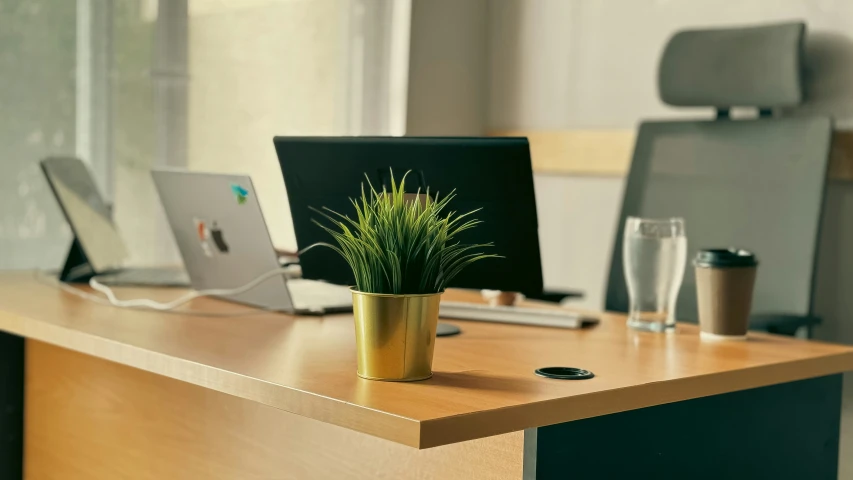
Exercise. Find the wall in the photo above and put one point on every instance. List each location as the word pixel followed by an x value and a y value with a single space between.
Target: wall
pixel 252 78
pixel 247 75
pixel 136 129
pixel 447 68
pixel 583 64
pixel 577 223
pixel 466 70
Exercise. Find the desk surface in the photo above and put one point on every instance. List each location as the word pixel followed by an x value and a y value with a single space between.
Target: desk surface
pixel 483 384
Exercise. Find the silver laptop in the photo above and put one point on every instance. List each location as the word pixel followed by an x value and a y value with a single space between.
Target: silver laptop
pixel 98 249
pixel 220 230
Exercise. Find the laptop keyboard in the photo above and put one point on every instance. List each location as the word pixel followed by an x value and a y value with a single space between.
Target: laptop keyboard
pixel 516 315
pixel 309 294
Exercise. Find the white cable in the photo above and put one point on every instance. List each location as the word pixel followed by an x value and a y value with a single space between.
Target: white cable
pixel 148 304
pixel 41 276
pixel 311 247
pixel 154 305
pixel 54 282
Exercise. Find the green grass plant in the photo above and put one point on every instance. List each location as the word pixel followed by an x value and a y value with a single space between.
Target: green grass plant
pixel 399 245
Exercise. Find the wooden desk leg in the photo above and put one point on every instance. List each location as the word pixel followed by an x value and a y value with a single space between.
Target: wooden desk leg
pixel 11 406
pixel 786 431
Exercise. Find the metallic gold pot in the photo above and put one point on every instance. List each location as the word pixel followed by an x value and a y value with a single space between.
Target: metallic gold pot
pixel 395 335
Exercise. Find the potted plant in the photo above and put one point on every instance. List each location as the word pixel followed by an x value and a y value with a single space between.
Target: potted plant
pixel 403 252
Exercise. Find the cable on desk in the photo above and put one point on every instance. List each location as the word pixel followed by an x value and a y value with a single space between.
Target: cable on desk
pixel 168 307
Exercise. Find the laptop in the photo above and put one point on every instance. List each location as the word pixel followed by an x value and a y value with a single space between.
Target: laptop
pixel 97 249
pixel 223 238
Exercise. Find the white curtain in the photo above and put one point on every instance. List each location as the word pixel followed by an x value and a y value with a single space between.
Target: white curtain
pixel 378 66
pixel 206 84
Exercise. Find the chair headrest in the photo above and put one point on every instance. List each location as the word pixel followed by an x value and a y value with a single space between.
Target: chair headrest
pixel 734 67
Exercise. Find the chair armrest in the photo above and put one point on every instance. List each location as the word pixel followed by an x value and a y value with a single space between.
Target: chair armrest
pixel 781 323
pixel 555 296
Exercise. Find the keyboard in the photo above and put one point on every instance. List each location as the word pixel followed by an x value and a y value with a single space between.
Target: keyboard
pixel 541 317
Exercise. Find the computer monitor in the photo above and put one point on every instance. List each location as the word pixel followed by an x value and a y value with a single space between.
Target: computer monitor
pixel 492 174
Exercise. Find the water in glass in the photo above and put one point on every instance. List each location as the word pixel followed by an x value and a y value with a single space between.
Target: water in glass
pixel 655 253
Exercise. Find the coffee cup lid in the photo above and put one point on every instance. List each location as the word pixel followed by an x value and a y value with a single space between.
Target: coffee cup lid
pixel 725 257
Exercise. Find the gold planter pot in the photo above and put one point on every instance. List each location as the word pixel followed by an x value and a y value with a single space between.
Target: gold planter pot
pixel 395 335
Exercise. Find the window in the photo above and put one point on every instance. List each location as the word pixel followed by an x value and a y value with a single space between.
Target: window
pixel 130 85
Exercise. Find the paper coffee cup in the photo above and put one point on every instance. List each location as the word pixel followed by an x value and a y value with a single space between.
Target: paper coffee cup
pixel 725 279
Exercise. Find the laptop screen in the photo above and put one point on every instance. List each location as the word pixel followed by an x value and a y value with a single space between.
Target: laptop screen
pixel 86 212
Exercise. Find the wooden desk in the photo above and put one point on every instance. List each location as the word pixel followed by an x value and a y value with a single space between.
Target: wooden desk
pixel 116 393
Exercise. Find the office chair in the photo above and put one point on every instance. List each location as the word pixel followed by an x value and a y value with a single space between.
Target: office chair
pixel 756 184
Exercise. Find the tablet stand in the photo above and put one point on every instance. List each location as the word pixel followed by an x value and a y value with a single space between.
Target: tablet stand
pixel 77 268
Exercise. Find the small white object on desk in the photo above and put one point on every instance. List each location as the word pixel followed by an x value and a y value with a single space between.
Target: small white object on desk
pixel 498 297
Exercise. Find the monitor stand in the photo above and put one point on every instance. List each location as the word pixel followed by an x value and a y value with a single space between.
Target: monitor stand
pixel 77 268
pixel 446 330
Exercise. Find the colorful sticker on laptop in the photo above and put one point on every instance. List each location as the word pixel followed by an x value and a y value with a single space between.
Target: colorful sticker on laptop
pixel 240 193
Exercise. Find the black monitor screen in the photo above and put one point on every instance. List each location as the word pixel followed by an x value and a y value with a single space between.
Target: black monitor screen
pixel 493 174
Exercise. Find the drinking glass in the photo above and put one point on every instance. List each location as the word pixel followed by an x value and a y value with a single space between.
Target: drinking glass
pixel 655 254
